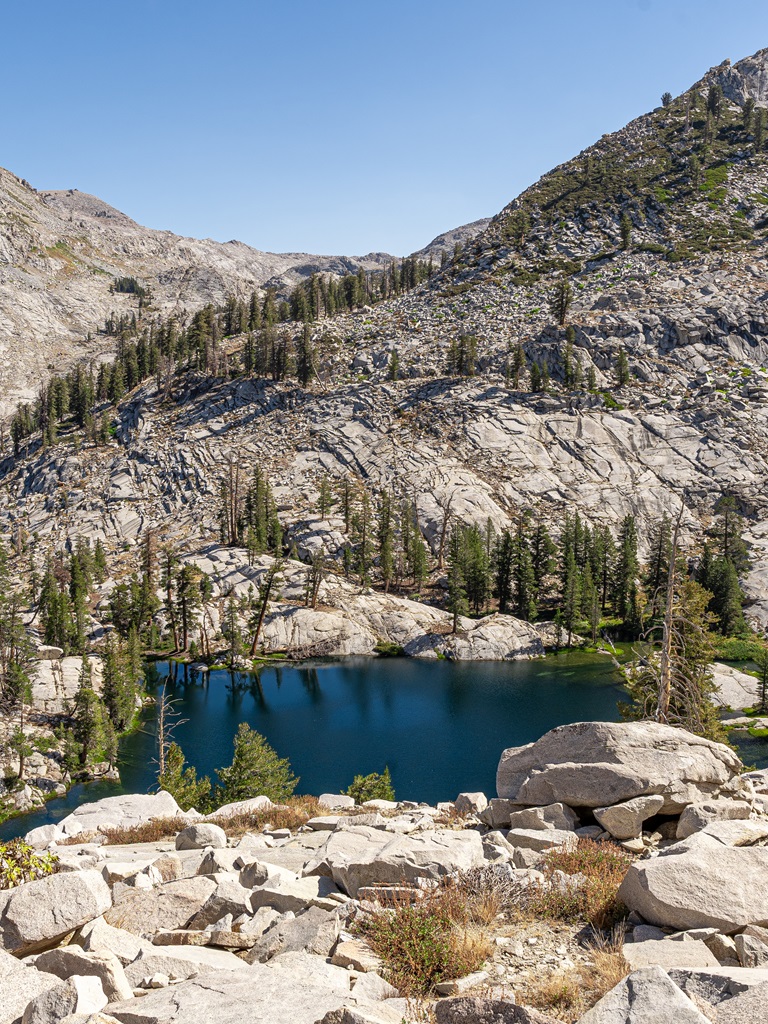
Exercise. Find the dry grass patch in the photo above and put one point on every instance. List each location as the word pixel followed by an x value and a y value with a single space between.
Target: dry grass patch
pixel 293 814
pixel 569 994
pixel 155 831
pixel 589 893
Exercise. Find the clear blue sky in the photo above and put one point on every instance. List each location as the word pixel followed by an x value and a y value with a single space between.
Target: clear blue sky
pixel 342 126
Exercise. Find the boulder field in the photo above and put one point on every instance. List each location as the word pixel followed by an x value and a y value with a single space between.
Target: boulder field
pixel 208 928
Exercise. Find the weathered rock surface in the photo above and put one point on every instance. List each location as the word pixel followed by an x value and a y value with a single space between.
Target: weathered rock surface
pixel 485 1010
pixel 120 812
pixel 667 953
pixel 596 764
pixel 36 915
pixel 170 905
pixel 201 835
pixel 75 995
pixel 280 997
pixel 709 885
pixel 625 821
pixel 362 856
pixel 313 931
pixel 697 816
pixel 19 984
pixel 647 996
pixel 69 960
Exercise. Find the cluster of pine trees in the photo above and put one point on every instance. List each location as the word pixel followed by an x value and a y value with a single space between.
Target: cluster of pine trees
pixel 60 599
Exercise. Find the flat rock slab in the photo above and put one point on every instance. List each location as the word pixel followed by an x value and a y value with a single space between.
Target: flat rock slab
pixel 181 962
pixel 123 811
pixel 221 939
pixel 252 996
pixel 669 953
pixel 362 857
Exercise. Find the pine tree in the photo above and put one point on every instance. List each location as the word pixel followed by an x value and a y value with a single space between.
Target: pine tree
pixel 182 783
pixel 256 770
pixel 118 688
pixel 91 728
pixel 505 563
pixel 626 230
pixel 571 595
pixel 526 606
pixel 457 591
pixel 666 99
pixel 394 366
pixel 715 101
pixel 325 499
pixel 747 113
pixel 305 357
pixel 660 543
pixel 518 364
pixel 560 300
pixel 188 600
pixel 623 375
pixel 386 541
pixel 761 660
pixel 627 568
pixel 673 684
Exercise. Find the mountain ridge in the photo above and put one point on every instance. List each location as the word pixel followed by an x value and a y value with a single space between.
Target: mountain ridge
pixel 60 250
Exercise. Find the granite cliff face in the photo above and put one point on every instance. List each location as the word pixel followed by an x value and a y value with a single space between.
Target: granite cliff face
pixel 664 245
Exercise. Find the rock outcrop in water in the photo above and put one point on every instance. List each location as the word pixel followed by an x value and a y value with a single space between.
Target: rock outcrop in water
pixel 262 926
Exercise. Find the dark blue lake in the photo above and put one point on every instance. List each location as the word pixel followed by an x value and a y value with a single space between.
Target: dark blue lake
pixel 440 726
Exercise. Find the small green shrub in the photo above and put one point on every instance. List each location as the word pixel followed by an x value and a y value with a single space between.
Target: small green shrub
pixel 19 862
pixel 422 945
pixel 372 787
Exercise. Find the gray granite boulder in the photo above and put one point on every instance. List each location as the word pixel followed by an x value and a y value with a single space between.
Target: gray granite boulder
pixel 34 916
pixel 598 764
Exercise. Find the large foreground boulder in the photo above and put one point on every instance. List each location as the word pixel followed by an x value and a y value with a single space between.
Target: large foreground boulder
pixel 701 884
pixel 364 856
pixel 597 764
pixel 171 905
pixel 36 915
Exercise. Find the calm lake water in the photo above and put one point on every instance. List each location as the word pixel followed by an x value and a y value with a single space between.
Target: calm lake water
pixel 440 726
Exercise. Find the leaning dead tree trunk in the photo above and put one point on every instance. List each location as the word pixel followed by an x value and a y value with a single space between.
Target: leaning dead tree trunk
pixel 665 661
pixel 271 579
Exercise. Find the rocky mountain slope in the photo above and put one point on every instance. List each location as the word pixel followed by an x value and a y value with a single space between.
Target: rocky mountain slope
pixel 661 231
pixel 61 250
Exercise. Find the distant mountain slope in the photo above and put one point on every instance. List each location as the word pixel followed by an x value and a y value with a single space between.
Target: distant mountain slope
pixel 61 250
